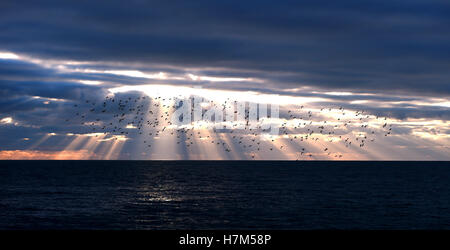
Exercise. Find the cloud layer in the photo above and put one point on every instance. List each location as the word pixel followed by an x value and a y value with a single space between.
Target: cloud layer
pixel 389 58
pixel 384 46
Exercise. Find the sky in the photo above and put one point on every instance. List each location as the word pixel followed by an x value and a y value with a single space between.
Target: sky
pixel 356 66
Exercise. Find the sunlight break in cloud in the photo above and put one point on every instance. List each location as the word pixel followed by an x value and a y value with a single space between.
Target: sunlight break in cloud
pixel 6 120
pixel 8 55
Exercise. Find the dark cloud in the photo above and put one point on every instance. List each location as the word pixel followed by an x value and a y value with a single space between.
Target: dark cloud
pixel 401 45
pixel 398 49
pixel 18 79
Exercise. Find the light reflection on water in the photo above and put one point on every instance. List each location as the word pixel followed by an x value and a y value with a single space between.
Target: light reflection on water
pixel 224 195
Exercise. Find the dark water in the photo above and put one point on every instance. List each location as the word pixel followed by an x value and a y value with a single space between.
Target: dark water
pixel 224 195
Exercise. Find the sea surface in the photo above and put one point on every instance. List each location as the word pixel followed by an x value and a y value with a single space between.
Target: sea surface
pixel 224 195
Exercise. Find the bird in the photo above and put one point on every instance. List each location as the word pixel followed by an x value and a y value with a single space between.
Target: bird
pixel 150 117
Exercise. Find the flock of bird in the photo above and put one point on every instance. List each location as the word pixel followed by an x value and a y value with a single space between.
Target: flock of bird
pixel 151 118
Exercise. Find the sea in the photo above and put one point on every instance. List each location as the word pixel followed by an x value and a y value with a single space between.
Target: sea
pixel 230 195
